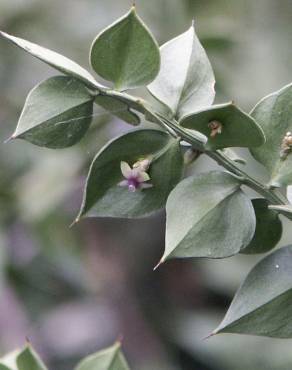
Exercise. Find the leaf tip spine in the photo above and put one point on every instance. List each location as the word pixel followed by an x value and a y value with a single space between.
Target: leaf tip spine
pixel 210 335
pixel 119 340
pixel 27 341
pixel 77 219
pixel 159 263
pixel 12 137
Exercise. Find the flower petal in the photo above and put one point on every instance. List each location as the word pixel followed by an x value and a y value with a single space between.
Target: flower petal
pixel 123 183
pixel 126 169
pixel 143 176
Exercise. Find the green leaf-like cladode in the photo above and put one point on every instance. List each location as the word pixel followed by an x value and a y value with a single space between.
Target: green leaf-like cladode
pixel 186 81
pixel 126 53
pixel 56 114
pixel 208 216
pixel 118 108
pixel 268 228
pixel 262 305
pixel 108 359
pixel 103 197
pixel 274 114
pixel 225 125
pixel 55 60
pixel 28 359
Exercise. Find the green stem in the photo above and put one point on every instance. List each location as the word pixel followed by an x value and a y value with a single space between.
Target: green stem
pixel 195 141
pixel 227 163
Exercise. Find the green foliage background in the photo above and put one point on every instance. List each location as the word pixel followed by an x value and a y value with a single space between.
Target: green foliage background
pixel 73 291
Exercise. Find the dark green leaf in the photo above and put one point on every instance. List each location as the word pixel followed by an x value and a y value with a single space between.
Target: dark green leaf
pixel 54 59
pixel 268 228
pixel 262 305
pixel 103 197
pixel 118 108
pixel 29 360
pixel 108 359
pixel 208 216
pixel 236 127
pixel 186 81
pixel 4 367
pixel 126 53
pixel 57 113
pixel 274 114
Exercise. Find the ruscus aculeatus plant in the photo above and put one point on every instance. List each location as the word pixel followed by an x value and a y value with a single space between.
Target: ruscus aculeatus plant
pixel 208 214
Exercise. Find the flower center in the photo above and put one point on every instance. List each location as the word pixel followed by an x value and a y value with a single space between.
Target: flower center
pixel 133 184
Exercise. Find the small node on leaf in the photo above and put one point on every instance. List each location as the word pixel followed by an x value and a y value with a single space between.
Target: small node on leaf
pixel 286 145
pixel 216 128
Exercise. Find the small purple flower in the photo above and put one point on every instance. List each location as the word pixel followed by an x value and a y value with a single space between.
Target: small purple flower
pixel 136 177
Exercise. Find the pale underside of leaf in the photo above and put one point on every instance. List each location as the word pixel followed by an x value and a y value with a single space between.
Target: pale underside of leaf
pixel 8 362
pixel 55 60
pixel 185 82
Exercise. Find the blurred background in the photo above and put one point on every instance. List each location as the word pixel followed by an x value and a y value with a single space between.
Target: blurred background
pixel 74 291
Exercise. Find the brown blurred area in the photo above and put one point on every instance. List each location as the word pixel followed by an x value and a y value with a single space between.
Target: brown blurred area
pixel 72 291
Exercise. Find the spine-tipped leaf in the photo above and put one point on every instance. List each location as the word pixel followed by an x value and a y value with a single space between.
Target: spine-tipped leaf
pixel 262 305
pixel 208 216
pixel 56 114
pixel 126 53
pixel 225 125
pixel 55 60
pixel 274 115
pixel 28 359
pixel 111 358
pixel 186 81
pixel 103 194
